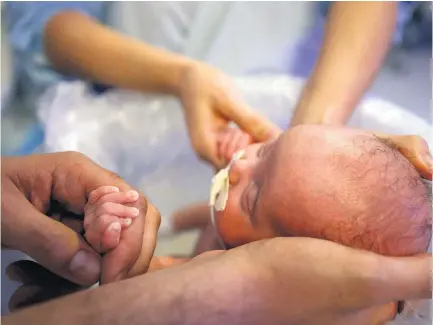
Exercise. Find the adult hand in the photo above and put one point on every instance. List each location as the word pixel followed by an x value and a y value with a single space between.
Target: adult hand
pixel 59 184
pixel 415 149
pixel 278 281
pixel 309 281
pixel 210 103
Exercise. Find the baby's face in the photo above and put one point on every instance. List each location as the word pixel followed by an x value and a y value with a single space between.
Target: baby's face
pixel 242 220
pixel 257 187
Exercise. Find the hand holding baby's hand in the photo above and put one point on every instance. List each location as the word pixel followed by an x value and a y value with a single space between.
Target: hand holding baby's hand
pixel 231 140
pixel 106 214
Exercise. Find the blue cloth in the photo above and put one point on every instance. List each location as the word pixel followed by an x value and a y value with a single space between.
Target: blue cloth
pixel 25 23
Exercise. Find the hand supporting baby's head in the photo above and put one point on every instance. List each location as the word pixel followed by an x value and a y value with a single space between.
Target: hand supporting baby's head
pixel 335 183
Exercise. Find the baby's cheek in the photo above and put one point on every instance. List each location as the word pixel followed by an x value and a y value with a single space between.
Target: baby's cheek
pixel 232 226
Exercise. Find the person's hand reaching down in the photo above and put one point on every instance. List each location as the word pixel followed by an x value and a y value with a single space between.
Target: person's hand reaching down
pixel 210 103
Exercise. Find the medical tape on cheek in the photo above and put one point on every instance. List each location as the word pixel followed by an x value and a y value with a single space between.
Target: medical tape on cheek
pixel 219 192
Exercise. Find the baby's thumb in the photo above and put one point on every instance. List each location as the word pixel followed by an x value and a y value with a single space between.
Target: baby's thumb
pixel 56 247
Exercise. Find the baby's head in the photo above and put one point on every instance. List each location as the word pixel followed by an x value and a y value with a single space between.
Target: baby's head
pixel 335 183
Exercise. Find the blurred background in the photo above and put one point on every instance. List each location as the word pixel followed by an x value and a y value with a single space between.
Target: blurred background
pixel 285 42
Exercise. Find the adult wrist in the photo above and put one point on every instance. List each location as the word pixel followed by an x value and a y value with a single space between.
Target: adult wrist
pixel 320 114
pixel 180 68
pixel 156 70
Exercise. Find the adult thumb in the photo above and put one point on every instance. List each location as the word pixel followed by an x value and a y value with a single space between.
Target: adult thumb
pixel 415 149
pixel 52 244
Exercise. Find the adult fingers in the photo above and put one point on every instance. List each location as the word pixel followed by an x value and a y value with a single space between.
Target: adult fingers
pixel 352 279
pixel 253 123
pixel 49 242
pixel 407 278
pixel 415 149
pixel 117 264
pixel 378 315
pixel 149 232
pixel 150 237
pixel 76 177
pixel 39 284
pixel 203 128
pixel 30 272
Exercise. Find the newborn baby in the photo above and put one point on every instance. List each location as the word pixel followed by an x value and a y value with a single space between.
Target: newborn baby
pixel 349 187
pixel 333 183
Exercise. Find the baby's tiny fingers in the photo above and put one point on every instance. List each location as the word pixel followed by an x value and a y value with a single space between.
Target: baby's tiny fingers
pixel 111 236
pixel 120 197
pixel 104 233
pixel 126 222
pixel 118 210
pixel 244 141
pixel 95 195
pixel 233 145
pixel 228 137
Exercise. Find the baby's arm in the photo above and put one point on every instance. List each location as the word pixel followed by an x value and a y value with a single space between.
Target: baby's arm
pixel 106 214
pixel 231 140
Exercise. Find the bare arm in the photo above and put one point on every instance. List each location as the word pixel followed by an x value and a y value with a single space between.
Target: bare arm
pixel 78 45
pixel 268 282
pixel 357 37
pixel 179 295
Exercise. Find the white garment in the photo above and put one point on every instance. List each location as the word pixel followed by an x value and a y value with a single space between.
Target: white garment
pixel 235 36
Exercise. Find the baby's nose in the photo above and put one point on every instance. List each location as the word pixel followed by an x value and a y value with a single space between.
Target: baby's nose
pixel 237 171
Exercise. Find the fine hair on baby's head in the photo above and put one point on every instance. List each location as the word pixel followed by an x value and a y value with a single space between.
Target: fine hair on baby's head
pixel 328 182
pixel 353 188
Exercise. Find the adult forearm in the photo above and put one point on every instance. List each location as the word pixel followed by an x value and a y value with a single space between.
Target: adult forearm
pixel 357 37
pixel 78 45
pixel 136 301
pixel 179 295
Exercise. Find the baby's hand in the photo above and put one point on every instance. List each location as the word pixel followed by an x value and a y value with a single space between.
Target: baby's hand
pixel 106 214
pixel 231 140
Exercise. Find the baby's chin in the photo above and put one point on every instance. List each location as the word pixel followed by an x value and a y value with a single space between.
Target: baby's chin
pixel 233 229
